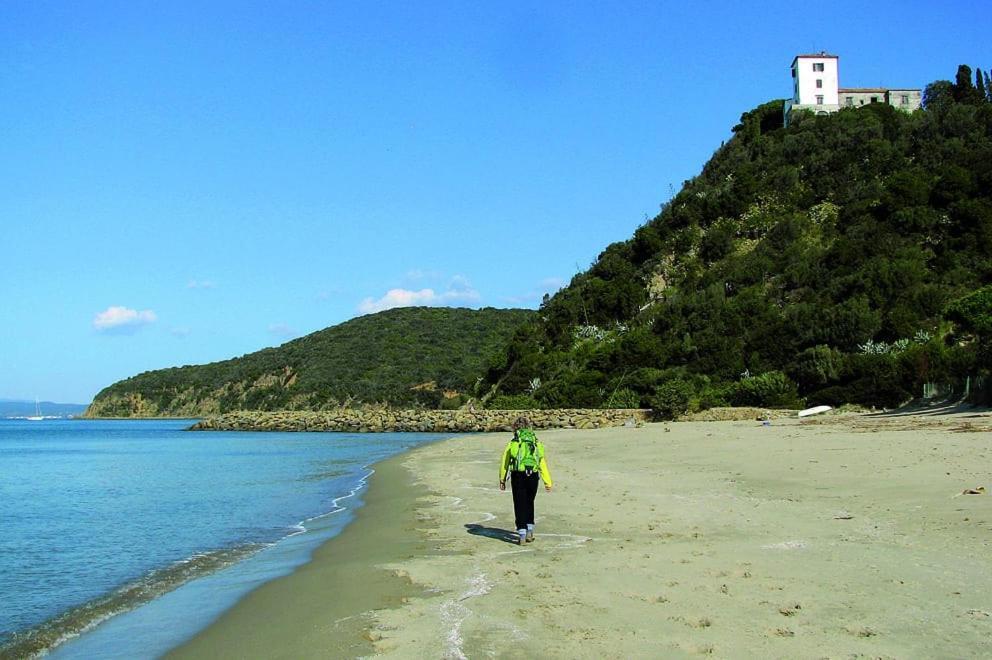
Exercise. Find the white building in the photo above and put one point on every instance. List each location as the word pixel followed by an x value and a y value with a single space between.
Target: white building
pixel 816 87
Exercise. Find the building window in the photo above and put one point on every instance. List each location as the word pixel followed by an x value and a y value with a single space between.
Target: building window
pixel 874 99
pixel 848 100
pixel 819 83
pixel 818 66
pixel 819 100
pixel 905 99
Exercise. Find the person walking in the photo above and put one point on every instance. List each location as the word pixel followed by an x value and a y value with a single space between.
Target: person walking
pixel 526 463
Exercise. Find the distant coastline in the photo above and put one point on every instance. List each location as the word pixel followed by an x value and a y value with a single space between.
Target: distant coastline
pixel 22 409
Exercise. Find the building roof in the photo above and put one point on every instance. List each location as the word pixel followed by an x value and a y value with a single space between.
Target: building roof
pixel 821 55
pixel 863 89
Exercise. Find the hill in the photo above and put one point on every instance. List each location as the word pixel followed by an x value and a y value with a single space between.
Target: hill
pixel 816 263
pixel 408 356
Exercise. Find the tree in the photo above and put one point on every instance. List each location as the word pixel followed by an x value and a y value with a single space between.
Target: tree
pixel 938 96
pixel 962 82
pixel 980 85
pixel 964 90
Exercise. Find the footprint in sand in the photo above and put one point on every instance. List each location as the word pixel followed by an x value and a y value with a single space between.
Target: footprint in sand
pixel 702 622
pixel 696 649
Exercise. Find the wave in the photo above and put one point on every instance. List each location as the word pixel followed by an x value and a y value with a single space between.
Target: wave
pixel 35 641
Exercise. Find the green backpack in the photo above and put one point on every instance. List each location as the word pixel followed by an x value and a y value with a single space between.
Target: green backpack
pixel 529 455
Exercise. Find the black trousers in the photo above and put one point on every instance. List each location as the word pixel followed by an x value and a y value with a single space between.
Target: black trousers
pixel 524 491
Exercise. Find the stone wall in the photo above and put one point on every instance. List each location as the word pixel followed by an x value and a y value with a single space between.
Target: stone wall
pixel 431 421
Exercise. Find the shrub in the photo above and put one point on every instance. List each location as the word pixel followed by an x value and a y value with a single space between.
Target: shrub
pixel 453 403
pixel 429 399
pixel 713 395
pixel 644 380
pixel 973 313
pixel 513 402
pixel 772 389
pixel 817 366
pixel 671 399
pixel 876 381
pixel 623 398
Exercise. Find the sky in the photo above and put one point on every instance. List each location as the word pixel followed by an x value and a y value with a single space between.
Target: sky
pixel 186 182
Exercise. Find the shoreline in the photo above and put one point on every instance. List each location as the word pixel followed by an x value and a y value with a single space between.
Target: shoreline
pixel 348 562
pixel 828 537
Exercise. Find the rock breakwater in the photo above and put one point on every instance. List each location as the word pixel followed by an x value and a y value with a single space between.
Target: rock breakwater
pixel 425 421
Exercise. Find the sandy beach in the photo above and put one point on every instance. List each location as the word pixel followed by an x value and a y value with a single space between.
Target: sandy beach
pixel 839 536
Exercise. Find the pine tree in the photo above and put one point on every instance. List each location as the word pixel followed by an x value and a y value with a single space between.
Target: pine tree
pixel 962 83
pixel 980 85
pixel 964 89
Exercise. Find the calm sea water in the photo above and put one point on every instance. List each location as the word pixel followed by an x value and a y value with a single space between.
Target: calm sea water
pixel 137 533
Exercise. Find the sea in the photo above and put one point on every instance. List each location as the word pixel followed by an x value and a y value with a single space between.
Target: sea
pixel 123 539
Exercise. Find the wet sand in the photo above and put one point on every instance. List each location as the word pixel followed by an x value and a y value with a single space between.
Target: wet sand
pixel 830 537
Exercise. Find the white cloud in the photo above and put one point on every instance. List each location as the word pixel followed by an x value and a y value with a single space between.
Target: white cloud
pixel 398 298
pixel 201 284
pixel 120 319
pixel 459 291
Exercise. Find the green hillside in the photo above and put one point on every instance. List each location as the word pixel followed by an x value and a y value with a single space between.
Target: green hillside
pixel 377 358
pixel 817 263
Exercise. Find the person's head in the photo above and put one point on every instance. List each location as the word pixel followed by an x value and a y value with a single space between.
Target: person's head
pixel 520 423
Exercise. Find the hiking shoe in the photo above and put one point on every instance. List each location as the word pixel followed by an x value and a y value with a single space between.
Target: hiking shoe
pixel 520 539
pixel 530 536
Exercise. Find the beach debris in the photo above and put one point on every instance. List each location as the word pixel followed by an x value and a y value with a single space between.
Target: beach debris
pixel 843 515
pixel 977 490
pixel 785 545
pixel 790 610
pixel 815 410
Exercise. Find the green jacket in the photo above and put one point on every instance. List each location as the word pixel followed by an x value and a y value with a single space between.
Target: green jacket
pixel 511 451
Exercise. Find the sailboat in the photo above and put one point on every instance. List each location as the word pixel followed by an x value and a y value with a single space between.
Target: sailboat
pixel 36 417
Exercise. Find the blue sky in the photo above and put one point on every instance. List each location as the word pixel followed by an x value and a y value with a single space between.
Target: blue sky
pixel 185 182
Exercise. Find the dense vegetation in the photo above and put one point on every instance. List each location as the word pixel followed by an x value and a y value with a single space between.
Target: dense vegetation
pixel 840 259
pixel 415 356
